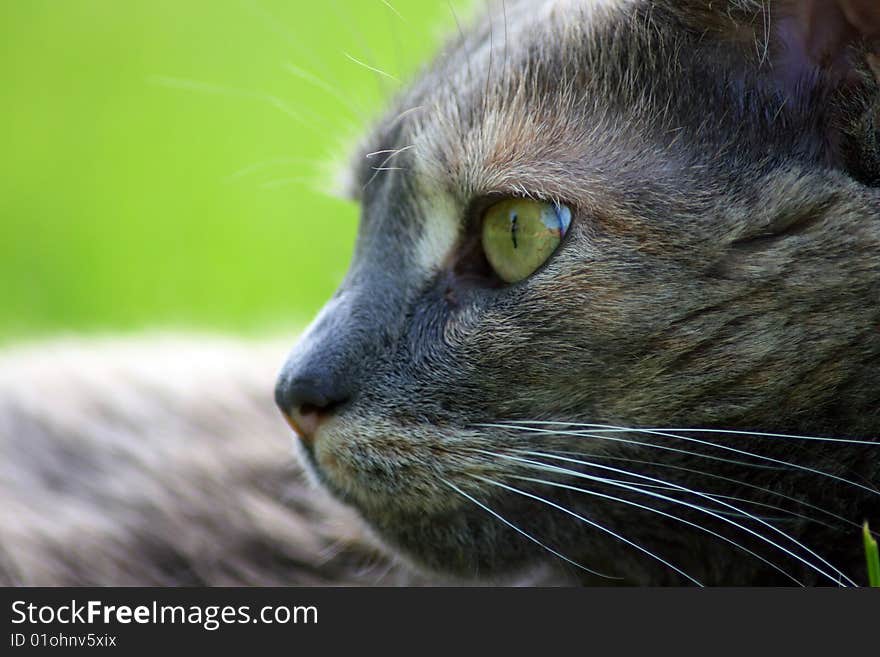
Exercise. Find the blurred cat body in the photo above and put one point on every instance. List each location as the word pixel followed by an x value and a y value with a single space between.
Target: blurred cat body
pixel 161 461
pixel 722 275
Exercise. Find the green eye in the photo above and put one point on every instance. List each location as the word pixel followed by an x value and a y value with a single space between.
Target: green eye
pixel 520 234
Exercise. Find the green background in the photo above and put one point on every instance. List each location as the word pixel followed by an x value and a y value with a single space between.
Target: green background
pixel 164 161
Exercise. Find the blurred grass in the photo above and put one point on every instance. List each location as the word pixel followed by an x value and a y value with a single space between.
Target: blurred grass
pixel 872 554
pixel 161 163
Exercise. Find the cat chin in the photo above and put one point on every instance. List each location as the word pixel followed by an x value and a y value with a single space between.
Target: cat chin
pixel 465 545
pixel 456 543
pixel 434 513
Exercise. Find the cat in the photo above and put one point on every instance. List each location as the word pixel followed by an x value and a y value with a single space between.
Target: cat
pixel 612 318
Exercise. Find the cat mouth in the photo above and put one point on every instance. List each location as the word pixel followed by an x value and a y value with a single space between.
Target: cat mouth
pixel 422 503
pixel 389 472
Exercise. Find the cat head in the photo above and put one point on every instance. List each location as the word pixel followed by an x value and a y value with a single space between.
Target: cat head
pixel 698 246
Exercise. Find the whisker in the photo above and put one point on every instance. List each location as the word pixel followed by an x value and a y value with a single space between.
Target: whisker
pixel 504 59
pixel 789 512
pixel 285 182
pixel 604 427
pixel 233 92
pixel 491 51
pixel 404 114
pixel 392 154
pixel 698 454
pixel 628 441
pixel 468 68
pixel 682 502
pixel 295 41
pixel 371 68
pixel 731 480
pixel 851 441
pixel 317 82
pixel 455 18
pixel 710 497
pixel 394 11
pixel 727 448
pixel 259 166
pixel 592 524
pixel 361 39
pixel 665 514
pixel 797 466
pixel 276 26
pixel 524 533
pixel 732 514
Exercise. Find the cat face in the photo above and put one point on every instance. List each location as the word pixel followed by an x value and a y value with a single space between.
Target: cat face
pixel 716 274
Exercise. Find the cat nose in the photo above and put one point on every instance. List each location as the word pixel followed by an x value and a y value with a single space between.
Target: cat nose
pixel 324 371
pixel 307 400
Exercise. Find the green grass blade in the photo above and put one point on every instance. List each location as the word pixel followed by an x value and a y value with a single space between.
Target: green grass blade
pixel 873 558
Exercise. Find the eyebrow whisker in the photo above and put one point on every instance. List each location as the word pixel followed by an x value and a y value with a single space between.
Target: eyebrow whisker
pixel 392 154
pixel 371 68
pixel 394 11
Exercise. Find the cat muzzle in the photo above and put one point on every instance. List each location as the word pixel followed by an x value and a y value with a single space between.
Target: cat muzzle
pixel 305 403
pixel 305 425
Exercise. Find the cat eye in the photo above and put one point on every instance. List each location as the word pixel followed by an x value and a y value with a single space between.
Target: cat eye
pixel 519 235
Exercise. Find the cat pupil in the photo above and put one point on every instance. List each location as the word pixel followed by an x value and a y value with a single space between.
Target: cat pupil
pixel 513 228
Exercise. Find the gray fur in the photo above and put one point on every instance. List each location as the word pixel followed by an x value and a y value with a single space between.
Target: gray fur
pixel 722 272
pixel 161 461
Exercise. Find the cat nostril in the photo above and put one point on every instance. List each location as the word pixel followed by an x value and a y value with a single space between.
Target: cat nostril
pixel 306 403
pixel 305 423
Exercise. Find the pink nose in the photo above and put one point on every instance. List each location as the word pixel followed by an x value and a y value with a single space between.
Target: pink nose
pixel 307 400
pixel 305 422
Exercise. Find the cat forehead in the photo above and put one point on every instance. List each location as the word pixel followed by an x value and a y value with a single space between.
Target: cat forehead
pixel 500 100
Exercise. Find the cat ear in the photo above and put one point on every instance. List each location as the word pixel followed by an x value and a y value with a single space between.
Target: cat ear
pixel 833 46
pixel 812 51
pixel 836 37
pixel 799 40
